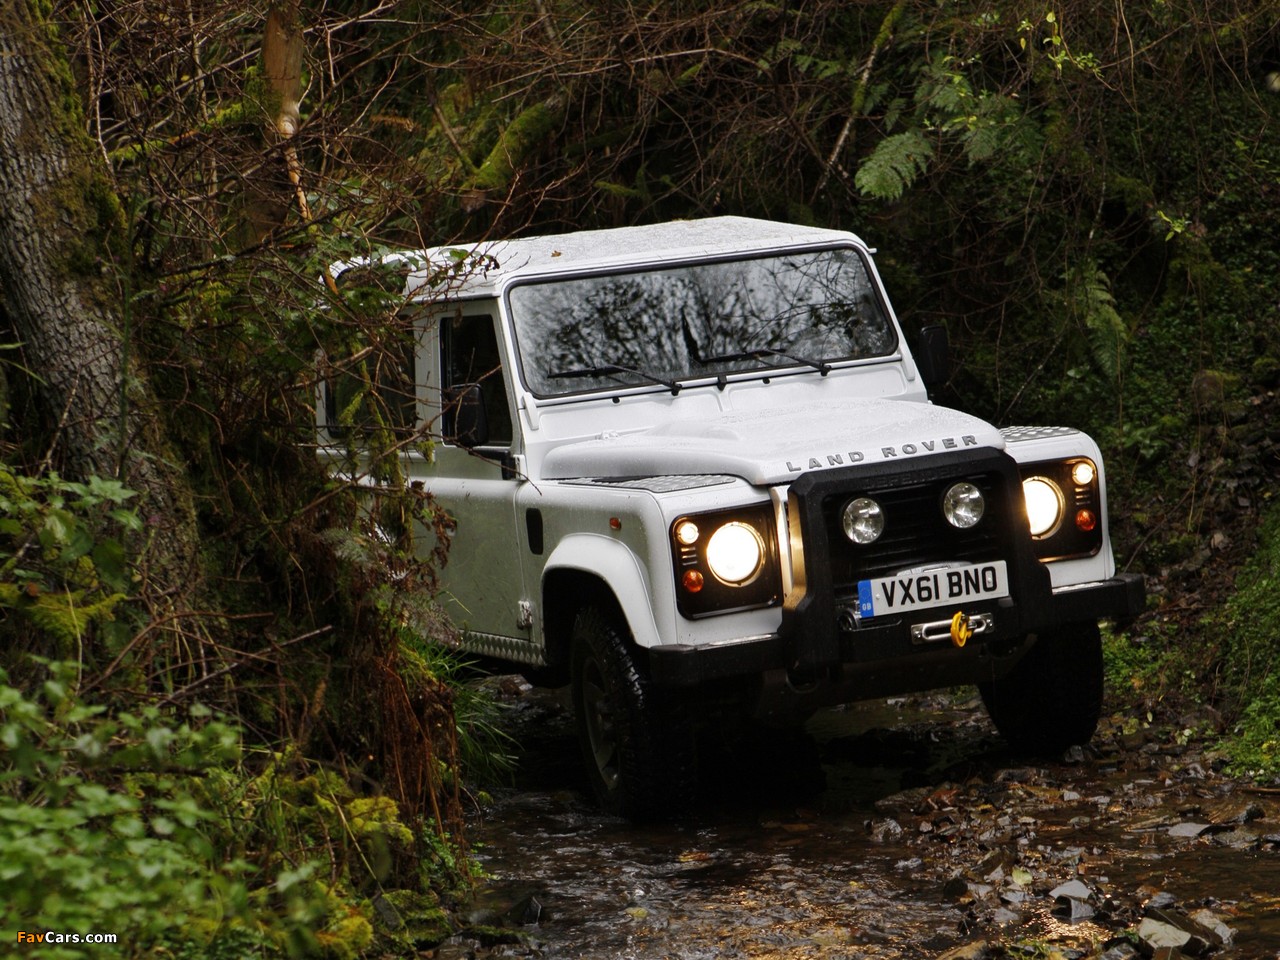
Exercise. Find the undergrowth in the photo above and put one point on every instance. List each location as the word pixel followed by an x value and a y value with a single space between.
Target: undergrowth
pixel 1249 626
pixel 170 833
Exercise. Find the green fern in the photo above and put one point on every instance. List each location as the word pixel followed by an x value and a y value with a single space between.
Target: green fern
pixel 894 165
pixel 1090 299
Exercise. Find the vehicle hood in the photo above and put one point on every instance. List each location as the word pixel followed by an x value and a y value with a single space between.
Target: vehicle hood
pixel 769 447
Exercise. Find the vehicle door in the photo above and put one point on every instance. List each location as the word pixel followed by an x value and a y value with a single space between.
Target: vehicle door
pixel 473 478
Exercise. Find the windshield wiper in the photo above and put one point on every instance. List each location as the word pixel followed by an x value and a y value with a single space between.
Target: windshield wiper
pixel 820 365
pixel 608 368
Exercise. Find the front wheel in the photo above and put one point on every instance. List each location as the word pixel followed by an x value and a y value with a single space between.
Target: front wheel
pixel 1053 697
pixel 637 741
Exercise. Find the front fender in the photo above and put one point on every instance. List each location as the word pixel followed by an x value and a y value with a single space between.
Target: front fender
pixel 615 565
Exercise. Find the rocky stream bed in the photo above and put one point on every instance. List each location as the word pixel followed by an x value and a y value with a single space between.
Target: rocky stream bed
pixel 896 829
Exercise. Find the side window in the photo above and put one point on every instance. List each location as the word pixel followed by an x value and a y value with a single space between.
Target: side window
pixel 375 392
pixel 469 354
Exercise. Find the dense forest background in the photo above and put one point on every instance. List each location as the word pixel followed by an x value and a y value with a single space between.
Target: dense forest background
pixel 224 728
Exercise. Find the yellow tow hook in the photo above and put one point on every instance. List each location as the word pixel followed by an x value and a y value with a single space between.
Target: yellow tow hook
pixel 960 629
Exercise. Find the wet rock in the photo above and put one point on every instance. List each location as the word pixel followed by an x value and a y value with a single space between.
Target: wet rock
pixel 883 831
pixel 1124 950
pixel 1157 935
pixel 1190 924
pixel 526 912
pixel 387 914
pixel 1211 921
pixel 1156 899
pixel 1195 938
pixel 994 866
pixel 904 801
pixel 1071 890
pixel 981 891
pixel 1234 811
pixel 1237 839
pixel 1072 910
pixel 1188 829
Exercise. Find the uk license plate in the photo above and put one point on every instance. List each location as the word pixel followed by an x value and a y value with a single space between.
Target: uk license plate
pixel 944 586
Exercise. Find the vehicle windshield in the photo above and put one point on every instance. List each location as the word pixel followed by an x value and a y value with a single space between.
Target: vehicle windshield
pixel 662 326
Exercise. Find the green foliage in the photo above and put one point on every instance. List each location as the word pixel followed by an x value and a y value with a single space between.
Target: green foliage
pixel 894 165
pixel 1249 628
pixel 1144 669
pixel 101 830
pixel 1089 300
pixel 63 564
pixel 526 131
pixel 154 828
pixel 486 753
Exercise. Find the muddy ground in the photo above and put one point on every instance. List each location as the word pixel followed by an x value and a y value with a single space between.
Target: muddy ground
pixel 896 829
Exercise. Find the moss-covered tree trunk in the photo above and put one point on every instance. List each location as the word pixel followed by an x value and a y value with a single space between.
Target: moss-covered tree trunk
pixel 64 291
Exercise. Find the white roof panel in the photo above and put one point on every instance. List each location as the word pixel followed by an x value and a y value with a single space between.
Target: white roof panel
pixel 485 269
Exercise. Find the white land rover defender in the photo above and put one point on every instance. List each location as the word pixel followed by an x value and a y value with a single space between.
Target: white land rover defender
pixel 695 465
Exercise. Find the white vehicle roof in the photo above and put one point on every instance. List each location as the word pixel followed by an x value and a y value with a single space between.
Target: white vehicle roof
pixel 485 269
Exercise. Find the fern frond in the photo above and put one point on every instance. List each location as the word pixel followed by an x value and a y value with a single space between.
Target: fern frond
pixel 1093 303
pixel 894 165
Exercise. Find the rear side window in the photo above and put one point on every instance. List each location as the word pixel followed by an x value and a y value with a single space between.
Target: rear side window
pixel 374 391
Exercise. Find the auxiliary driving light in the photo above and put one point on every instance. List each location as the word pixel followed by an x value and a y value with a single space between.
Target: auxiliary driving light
pixel 863 520
pixel 1044 505
pixel 963 505
pixel 735 553
pixel 1082 472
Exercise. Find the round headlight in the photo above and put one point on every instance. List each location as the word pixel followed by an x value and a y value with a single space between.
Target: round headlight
pixel 962 505
pixel 1044 505
pixel 735 553
pixel 863 520
pixel 1082 472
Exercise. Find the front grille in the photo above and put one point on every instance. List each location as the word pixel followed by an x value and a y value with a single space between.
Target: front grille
pixel 915 531
pixel 916 534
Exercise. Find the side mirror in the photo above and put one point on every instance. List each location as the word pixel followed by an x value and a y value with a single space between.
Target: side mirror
pixel 933 355
pixel 466 422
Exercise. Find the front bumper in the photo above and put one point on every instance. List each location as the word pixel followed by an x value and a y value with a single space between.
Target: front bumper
pixel 884 659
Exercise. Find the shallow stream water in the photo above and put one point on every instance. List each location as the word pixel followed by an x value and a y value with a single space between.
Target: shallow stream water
pixel 895 829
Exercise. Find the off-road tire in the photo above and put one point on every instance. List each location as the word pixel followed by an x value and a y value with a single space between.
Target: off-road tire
pixel 1053 697
pixel 637 740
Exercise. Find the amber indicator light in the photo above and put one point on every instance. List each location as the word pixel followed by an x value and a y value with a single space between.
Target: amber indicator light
pixel 1086 520
pixel 692 581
